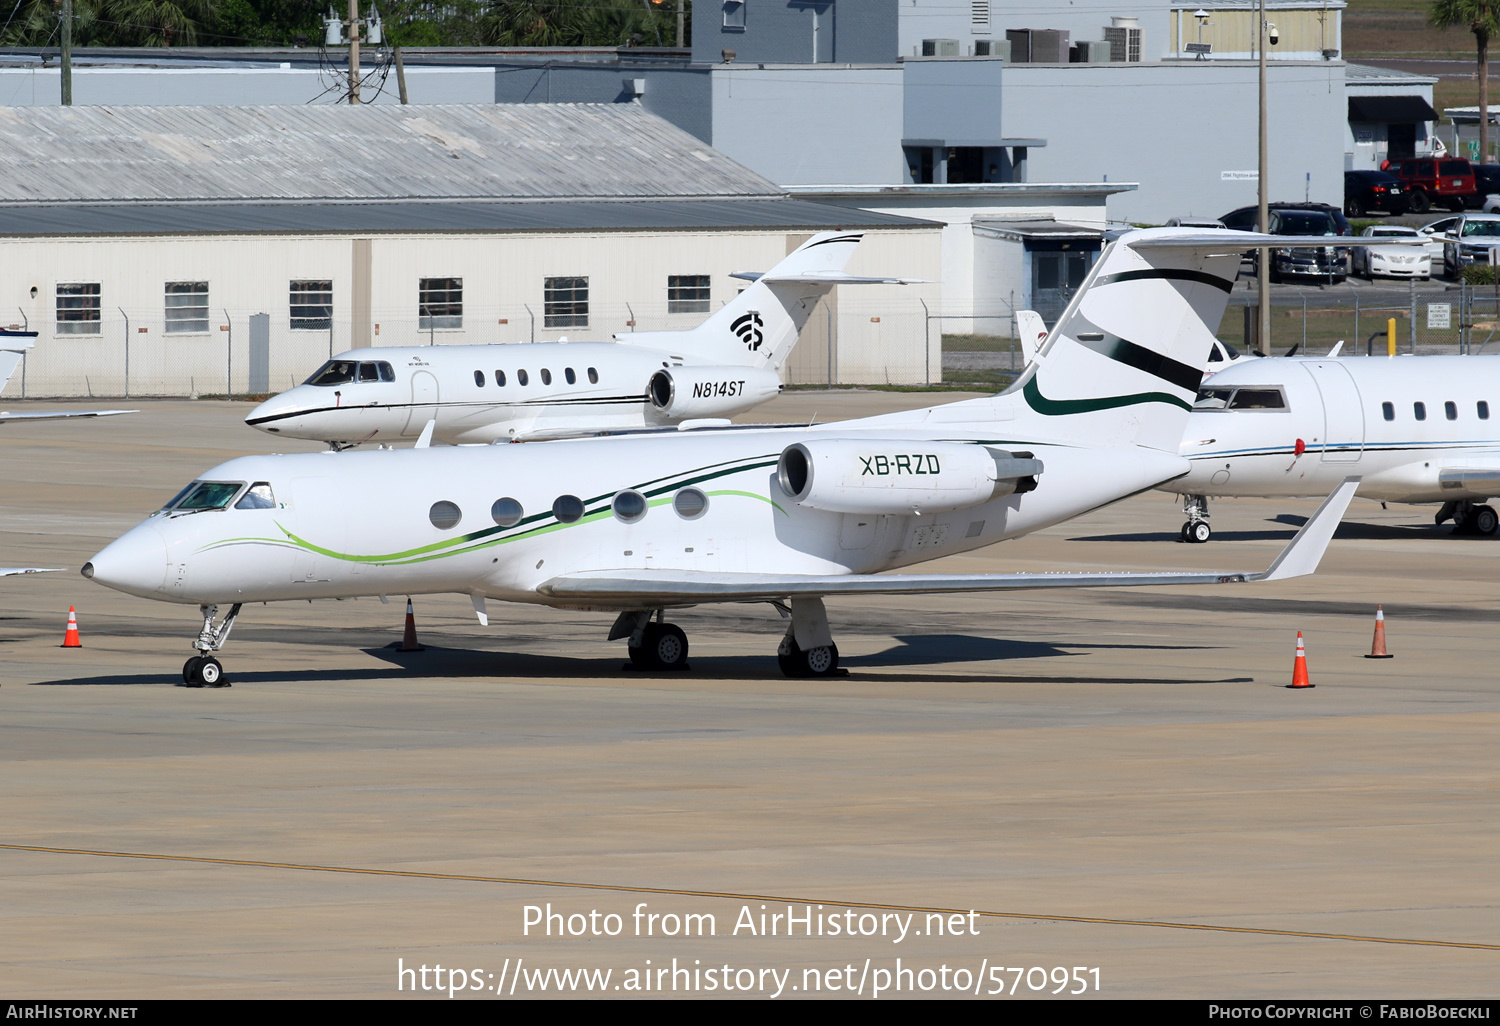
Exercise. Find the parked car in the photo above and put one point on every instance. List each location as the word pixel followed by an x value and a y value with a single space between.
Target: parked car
pixel 1486 186
pixel 1391 261
pixel 1328 262
pixel 1436 234
pixel 1194 222
pixel 1448 182
pixel 1469 241
pixel 1373 190
pixel 1244 219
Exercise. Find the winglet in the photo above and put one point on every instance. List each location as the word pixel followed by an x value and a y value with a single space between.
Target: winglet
pixel 1303 553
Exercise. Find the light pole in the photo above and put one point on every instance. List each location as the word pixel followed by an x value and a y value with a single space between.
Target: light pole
pixel 1263 340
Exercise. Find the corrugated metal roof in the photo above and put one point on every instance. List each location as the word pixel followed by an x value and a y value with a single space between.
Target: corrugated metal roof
pixel 527 151
pixel 430 217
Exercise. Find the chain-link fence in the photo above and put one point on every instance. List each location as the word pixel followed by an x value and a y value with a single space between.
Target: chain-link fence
pixel 861 339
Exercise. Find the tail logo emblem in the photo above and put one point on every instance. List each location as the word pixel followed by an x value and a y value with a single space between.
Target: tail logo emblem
pixel 748 329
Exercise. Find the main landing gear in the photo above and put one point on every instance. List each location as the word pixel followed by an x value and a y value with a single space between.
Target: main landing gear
pixel 203 670
pixel 806 651
pixel 1196 531
pixel 1468 518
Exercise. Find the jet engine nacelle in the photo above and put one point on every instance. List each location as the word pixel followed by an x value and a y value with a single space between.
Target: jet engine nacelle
pixel 896 475
pixel 683 393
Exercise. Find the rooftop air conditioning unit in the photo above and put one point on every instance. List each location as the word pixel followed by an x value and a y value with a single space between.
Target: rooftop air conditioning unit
pixel 1124 39
pixel 940 48
pixel 1089 51
pixel 1019 41
pixel 1049 46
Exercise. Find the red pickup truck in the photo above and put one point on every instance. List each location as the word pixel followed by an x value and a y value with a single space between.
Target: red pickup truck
pixel 1429 181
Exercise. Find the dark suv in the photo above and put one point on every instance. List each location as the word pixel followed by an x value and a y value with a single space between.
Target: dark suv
pixel 1430 181
pixel 1244 219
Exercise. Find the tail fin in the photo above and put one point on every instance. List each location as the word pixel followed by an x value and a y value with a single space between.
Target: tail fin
pixel 13 346
pixel 759 326
pixel 1124 362
pixel 1032 331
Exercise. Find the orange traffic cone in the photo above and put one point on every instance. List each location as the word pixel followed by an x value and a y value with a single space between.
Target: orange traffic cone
pixel 70 639
pixel 1299 668
pixel 1377 647
pixel 409 639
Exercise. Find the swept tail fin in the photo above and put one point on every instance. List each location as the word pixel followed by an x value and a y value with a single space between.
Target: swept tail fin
pixel 759 326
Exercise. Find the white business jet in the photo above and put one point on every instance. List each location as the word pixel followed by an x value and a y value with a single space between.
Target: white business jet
pixel 639 523
pixel 1419 429
pixel 726 365
pixel 13 347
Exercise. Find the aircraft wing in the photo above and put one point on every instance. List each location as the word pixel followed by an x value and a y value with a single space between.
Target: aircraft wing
pixel 60 414
pixel 11 571
pixel 1237 240
pixel 826 278
pixel 638 588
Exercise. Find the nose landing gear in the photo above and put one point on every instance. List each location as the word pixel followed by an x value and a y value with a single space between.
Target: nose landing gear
pixel 1196 531
pixel 203 670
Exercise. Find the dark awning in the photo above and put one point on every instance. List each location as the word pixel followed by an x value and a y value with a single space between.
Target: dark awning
pixel 1390 109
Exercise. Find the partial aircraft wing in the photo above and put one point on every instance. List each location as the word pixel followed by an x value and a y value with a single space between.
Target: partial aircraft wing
pixel 644 588
pixel 11 571
pixel 60 414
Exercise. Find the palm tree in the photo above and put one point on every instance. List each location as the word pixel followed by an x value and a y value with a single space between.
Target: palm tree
pixel 1481 17
pixel 157 22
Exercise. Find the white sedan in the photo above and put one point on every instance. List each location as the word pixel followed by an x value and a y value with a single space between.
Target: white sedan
pixel 1392 261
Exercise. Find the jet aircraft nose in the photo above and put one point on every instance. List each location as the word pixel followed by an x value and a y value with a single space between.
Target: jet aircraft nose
pixel 279 412
pixel 135 563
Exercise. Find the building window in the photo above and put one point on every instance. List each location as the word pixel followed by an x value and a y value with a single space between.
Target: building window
pixel 187 307
pixel 440 303
pixel 734 15
pixel 78 309
pixel 687 293
pixel 566 303
pixel 312 305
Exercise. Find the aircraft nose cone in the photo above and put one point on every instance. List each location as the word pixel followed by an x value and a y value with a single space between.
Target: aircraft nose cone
pixel 275 413
pixel 135 563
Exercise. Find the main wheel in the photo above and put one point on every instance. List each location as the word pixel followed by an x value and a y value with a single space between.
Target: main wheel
pixel 814 662
pixel 1419 202
pixel 1484 520
pixel 665 646
pixel 1199 532
pixel 190 672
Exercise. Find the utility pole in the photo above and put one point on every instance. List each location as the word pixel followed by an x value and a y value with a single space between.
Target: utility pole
pixel 679 24
pixel 400 75
pixel 67 53
pixel 354 51
pixel 1263 342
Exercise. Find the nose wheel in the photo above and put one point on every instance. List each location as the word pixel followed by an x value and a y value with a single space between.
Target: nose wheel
pixel 1196 531
pixel 203 670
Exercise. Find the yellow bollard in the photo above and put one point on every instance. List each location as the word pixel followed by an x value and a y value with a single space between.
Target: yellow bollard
pixel 1390 337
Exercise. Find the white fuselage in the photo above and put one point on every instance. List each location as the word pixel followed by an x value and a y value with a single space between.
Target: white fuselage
pixel 361 523
pixel 1399 423
pixel 478 394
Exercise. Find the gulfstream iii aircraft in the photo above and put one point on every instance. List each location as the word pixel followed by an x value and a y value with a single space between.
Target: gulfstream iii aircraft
pixel 725 366
pixel 638 523
pixel 1414 428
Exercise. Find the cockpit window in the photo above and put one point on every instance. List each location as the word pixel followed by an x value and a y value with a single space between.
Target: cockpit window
pixel 369 372
pixel 386 374
pixel 258 497
pixel 174 500
pixel 334 372
pixel 1254 398
pixel 1258 399
pixel 210 495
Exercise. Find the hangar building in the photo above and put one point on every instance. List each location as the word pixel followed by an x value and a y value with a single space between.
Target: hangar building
pixel 180 250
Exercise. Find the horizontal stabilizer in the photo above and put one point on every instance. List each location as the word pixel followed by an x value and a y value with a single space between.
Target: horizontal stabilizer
pixel 646 588
pixel 1235 240
pixel 61 414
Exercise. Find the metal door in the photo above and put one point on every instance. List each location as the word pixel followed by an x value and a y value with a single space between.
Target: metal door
pixel 1343 413
pixel 1055 277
